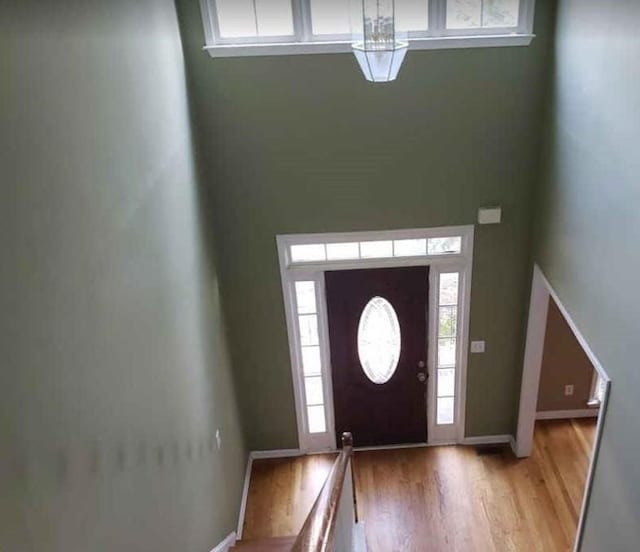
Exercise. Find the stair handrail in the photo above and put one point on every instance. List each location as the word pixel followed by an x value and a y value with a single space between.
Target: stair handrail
pixel 317 533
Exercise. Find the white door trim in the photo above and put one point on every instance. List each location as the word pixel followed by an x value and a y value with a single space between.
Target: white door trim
pixel 541 293
pixel 314 271
pixel 534 347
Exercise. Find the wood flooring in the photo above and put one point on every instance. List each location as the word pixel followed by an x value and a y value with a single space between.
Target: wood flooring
pixel 442 498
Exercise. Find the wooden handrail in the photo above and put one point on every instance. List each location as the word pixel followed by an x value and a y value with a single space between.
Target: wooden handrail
pixel 317 533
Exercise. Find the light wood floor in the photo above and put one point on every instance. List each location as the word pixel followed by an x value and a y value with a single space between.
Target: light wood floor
pixel 441 498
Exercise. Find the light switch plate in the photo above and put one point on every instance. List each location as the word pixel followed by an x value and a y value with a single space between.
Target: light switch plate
pixel 478 347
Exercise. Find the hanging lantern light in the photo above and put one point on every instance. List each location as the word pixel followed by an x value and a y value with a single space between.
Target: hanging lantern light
pixel 376 46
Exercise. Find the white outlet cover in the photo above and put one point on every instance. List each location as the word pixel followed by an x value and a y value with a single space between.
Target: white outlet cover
pixel 568 390
pixel 478 347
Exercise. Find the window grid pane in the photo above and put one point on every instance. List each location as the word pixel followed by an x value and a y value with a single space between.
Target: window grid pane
pixel 446 353
pixel 446 382
pixel 308 325
pixel 448 322
pixel 311 364
pixel 445 246
pixel 313 391
pixel 444 414
pixel 306 297
pixel 500 13
pixel 316 419
pixel 274 17
pixel 412 15
pixel 475 14
pixel 376 249
pixel 343 251
pixel 464 14
pixel 236 18
pixel 410 248
pixel 449 285
pixel 308 253
pixel 330 17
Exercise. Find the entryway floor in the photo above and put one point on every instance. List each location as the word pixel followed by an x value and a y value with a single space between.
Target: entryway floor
pixel 441 498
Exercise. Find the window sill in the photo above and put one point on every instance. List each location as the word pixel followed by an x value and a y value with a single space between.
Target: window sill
pixel 341 47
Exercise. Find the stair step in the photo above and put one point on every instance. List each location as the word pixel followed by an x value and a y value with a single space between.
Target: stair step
pixel 277 544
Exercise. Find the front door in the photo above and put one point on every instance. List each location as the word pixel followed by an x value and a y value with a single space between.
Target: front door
pixel 378 337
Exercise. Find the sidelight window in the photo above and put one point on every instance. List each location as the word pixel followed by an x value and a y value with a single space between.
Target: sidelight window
pixel 448 293
pixel 309 337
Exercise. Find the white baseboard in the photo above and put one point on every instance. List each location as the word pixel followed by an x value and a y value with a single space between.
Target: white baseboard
pixel 566 414
pixel 245 495
pixel 390 447
pixel 443 443
pixel 226 544
pixel 282 453
pixel 487 440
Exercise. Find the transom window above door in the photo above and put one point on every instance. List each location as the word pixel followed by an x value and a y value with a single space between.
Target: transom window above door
pixel 417 247
pixel 267 27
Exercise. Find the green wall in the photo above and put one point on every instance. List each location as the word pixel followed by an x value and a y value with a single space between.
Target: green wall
pixel 589 229
pixel 304 144
pixel 115 374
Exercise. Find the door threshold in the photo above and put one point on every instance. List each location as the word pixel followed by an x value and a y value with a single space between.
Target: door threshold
pixel 404 446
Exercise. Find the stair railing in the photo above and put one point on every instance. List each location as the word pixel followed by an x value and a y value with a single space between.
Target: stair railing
pixel 331 523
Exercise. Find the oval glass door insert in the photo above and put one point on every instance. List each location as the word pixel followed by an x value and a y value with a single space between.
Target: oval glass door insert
pixel 379 340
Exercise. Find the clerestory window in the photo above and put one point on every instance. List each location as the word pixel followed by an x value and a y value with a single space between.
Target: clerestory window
pixel 267 27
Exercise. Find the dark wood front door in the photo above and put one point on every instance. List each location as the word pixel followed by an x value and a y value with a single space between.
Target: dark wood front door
pixel 379 392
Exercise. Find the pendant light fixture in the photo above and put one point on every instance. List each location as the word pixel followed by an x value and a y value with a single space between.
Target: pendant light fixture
pixel 376 46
